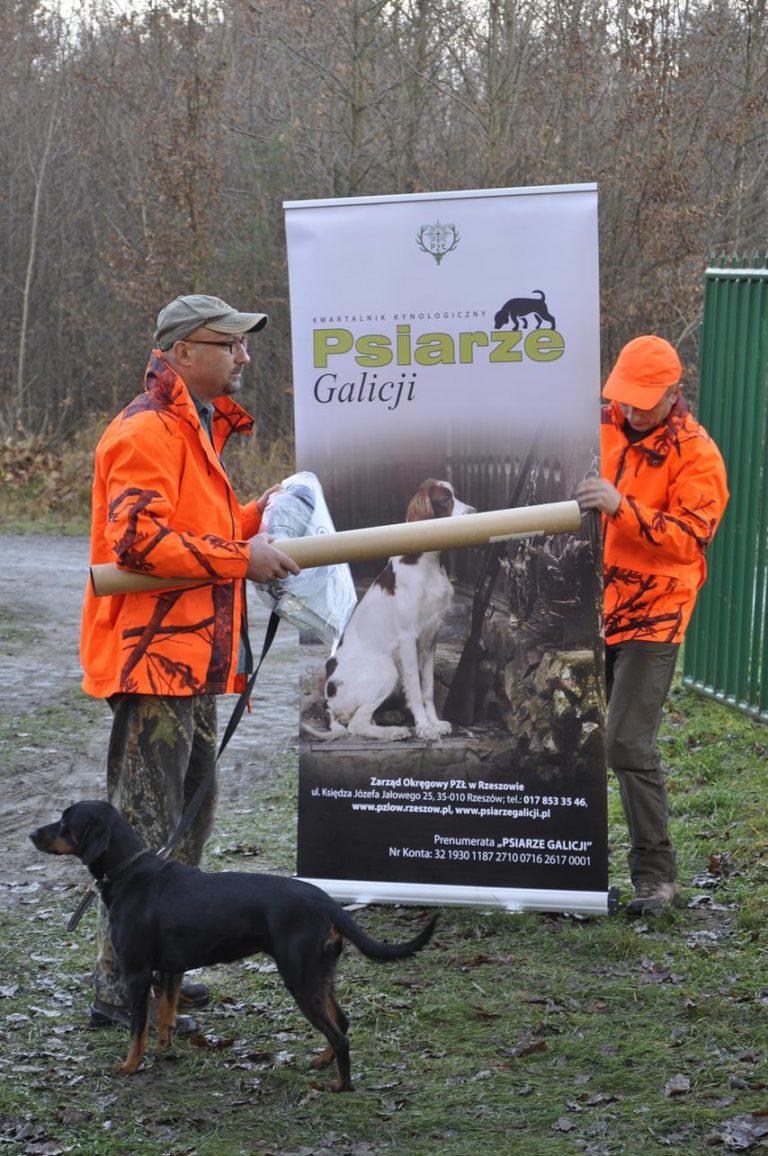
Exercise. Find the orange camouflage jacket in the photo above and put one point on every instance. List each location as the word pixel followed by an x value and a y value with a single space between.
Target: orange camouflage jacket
pixel 163 505
pixel 674 492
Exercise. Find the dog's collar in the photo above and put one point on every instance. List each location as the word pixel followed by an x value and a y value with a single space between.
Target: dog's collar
pixel 110 876
pixel 97 886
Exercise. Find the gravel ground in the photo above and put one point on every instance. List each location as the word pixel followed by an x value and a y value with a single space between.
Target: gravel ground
pixel 53 740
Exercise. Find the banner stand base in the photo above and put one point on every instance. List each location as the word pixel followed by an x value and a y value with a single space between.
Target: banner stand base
pixel 444 895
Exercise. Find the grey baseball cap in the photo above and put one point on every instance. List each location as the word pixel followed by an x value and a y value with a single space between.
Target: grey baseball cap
pixel 186 314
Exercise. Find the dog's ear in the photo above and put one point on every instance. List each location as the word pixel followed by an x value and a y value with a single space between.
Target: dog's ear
pixel 433 500
pixel 94 841
pixel 420 506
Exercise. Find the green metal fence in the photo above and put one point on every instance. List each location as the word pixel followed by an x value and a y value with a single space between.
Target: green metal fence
pixel 726 649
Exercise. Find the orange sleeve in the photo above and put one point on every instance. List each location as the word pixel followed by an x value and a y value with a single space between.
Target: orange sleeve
pixel 151 527
pixel 251 518
pixel 681 532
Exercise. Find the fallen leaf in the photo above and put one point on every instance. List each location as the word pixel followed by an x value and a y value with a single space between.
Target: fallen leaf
pixel 527 1049
pixel 722 865
pixel 706 901
pixel 73 1116
pixel 678 1086
pixel 211 1043
pixel 742 1132
pixel 478 961
pixel 706 880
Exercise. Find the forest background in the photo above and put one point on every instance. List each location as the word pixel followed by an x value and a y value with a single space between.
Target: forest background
pixel 146 147
pixel 146 150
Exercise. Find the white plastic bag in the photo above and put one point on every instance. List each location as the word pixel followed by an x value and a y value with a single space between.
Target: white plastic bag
pixel 321 598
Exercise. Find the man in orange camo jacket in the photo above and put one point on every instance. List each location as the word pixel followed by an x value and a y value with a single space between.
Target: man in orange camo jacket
pixel 662 493
pixel 163 505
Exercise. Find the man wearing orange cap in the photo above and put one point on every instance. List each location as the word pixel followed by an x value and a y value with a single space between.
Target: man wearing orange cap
pixel 662 493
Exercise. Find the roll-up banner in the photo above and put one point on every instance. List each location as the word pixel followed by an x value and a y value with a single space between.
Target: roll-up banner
pixel 446 359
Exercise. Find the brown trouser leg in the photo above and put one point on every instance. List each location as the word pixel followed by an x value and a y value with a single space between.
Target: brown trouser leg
pixel 638 677
pixel 160 748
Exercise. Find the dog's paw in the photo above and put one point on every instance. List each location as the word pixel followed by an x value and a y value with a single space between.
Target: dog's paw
pixel 432 731
pixel 326 1057
pixel 335 1086
pixel 396 734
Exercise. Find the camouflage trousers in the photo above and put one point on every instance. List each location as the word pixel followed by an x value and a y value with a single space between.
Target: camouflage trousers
pixel 160 749
pixel 638 677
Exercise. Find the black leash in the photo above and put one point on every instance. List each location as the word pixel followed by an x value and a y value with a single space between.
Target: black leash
pixel 194 804
pixel 205 787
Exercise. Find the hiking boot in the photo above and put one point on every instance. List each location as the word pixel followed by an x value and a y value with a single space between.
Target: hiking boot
pixel 194 995
pixel 190 995
pixel 104 1015
pixel 651 896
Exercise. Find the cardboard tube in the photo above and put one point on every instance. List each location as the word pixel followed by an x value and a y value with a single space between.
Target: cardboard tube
pixel 431 534
pixel 109 578
pixel 377 542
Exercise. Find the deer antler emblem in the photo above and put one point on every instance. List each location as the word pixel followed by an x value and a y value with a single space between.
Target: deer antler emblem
pixel 437 239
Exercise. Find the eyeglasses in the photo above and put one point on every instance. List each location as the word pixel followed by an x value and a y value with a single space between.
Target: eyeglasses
pixel 232 345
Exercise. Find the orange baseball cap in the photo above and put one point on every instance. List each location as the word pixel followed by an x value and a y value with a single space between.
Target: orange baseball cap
pixel 644 371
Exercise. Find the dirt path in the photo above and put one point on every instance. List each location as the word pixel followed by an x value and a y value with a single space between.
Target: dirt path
pixel 53 739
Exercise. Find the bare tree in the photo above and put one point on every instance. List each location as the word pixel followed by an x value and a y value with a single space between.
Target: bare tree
pixel 147 151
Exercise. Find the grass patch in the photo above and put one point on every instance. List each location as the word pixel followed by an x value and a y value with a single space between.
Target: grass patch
pixel 61 726
pixel 511 1033
pixel 46 489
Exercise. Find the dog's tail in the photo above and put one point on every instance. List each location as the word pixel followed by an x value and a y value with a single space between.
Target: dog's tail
pixel 374 948
pixel 337 730
pixel 538 293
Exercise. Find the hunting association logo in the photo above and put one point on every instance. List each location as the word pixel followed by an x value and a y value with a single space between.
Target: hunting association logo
pixel 437 239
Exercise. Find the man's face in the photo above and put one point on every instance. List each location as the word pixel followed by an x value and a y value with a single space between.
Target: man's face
pixel 644 420
pixel 213 363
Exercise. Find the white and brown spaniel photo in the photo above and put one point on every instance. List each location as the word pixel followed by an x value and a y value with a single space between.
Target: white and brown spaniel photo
pixel 389 642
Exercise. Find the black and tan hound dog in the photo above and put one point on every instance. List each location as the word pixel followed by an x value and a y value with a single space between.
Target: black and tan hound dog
pixel 168 918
